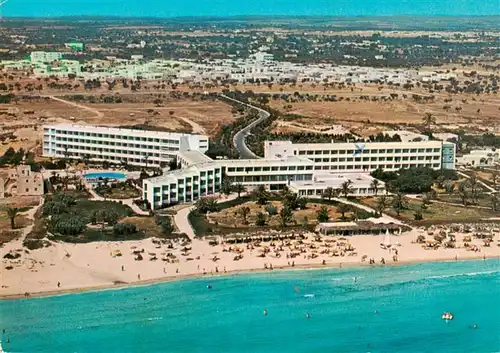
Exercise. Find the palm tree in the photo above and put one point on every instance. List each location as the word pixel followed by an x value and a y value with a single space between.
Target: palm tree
pixel 374 185
pixel 261 194
pixel 494 177
pixel 12 213
pixel 474 187
pixel 244 212
pixel 343 209
pixel 382 204
pixel 260 220
pixel 494 201
pixel 463 191
pixel 226 186
pixel 346 188
pixel 428 120
pixel 398 203
pixel 323 214
pixel 285 216
pixel 329 193
pixel 239 188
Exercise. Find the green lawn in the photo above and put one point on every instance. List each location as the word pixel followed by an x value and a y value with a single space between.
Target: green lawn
pixel 85 208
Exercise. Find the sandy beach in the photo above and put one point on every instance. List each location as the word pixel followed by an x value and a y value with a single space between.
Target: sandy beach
pixel 79 267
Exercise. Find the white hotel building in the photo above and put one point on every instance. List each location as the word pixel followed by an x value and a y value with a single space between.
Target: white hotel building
pixel 116 145
pixel 307 169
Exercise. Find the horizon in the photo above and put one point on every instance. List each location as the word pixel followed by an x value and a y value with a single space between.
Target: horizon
pixel 225 8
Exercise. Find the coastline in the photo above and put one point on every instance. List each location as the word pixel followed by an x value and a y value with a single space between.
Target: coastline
pixel 175 278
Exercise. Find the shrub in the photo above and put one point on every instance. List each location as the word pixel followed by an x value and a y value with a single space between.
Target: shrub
pixel 261 219
pixel 271 209
pixel 124 228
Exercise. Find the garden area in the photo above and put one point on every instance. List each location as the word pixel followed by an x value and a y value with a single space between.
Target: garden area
pixel 264 210
pixel 117 191
pixel 66 218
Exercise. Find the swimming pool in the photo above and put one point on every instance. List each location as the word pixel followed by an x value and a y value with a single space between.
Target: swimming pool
pixel 104 175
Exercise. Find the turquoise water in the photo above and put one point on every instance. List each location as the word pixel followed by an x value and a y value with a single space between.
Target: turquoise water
pixel 186 316
pixel 109 175
pixel 173 8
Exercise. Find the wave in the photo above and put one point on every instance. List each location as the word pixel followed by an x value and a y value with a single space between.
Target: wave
pixel 470 274
pixel 308 295
pixel 155 318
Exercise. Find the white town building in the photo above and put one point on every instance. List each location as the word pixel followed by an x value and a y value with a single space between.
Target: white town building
pixel 116 145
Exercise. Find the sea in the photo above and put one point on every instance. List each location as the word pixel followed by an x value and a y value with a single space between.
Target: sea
pixel 379 309
pixel 180 8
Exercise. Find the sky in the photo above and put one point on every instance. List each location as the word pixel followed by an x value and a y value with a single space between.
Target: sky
pixel 174 8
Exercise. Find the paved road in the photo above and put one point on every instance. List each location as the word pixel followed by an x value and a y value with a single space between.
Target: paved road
pixel 240 136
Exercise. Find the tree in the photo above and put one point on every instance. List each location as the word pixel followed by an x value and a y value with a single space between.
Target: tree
pixel 206 204
pixel 244 212
pixel 226 186
pixel 286 215
pixel 294 201
pixel 399 203
pixel 346 188
pixel 261 220
pixel 329 193
pixel 418 215
pixel 172 164
pixel 343 208
pixel 494 201
pixel 323 214
pixel 261 195
pixel 428 120
pixel 382 204
pixel 124 228
pixel 166 226
pixel 12 213
pixel 239 188
pixel 449 187
pixel 474 187
pixel 285 192
pixel 463 192
pixel 374 185
pixel 494 177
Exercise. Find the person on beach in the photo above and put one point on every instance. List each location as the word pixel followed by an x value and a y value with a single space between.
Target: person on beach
pixel 139 276
pixel 58 284
pixel 164 271
pixel 123 268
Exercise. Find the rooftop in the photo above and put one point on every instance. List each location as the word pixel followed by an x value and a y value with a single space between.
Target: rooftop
pixel 115 130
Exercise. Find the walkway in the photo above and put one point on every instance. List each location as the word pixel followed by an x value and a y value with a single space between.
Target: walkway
pixel 128 202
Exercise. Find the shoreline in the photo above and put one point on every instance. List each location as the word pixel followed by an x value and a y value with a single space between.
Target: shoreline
pixel 175 278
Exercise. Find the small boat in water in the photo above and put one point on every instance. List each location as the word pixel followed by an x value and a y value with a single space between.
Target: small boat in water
pixel 447 316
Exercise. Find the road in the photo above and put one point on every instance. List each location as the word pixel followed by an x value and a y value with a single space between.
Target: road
pixel 240 136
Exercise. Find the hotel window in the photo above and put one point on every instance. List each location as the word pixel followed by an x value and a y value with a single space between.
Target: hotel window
pixel 309 167
pixel 310 152
pixel 333 152
pixel 405 158
pixel 300 167
pixel 292 168
pixel 274 169
pixel 265 169
pixel 390 151
pixel 326 152
pixel 436 150
pixel 317 152
pixel 349 159
pixel 406 150
pixel 421 150
pixel 420 158
pixel 350 151
pixel 366 159
pixel 381 151
pixel 257 169
pixel 248 169
pixel 326 160
pixel 240 169
pixel 428 150
pixel 341 151
pixel 390 158
pixel 317 167
pixel 341 159
pixel 397 150
pixel 413 150
pixel 301 153
pixel 357 159
pixel 283 168
pixel 335 159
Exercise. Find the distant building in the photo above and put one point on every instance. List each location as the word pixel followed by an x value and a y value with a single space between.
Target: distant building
pixel 75 46
pixel 480 158
pixel 263 56
pixel 45 57
pixel 26 182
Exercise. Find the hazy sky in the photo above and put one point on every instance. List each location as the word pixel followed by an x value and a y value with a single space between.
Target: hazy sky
pixel 169 8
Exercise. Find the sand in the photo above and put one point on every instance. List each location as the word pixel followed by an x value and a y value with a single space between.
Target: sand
pixel 81 267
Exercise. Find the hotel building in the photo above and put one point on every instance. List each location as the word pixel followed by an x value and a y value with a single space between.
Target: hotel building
pixel 115 145
pixel 367 156
pixel 307 169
